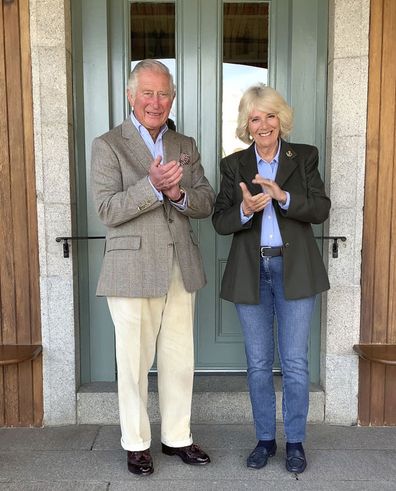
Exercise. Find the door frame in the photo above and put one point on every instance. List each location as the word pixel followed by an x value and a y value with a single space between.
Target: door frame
pixel 194 70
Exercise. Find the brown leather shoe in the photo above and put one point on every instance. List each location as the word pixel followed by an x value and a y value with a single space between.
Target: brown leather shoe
pixel 191 454
pixel 140 463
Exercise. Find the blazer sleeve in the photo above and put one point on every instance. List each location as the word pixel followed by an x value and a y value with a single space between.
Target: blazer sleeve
pixel 226 217
pixel 312 205
pixel 114 204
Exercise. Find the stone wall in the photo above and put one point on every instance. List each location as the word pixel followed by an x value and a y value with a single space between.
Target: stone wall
pixel 346 127
pixel 51 71
pixel 346 142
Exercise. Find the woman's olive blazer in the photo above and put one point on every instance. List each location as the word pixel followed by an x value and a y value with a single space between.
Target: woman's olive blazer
pixel 304 271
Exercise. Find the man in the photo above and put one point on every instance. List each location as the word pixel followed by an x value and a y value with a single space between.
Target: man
pixel 147 182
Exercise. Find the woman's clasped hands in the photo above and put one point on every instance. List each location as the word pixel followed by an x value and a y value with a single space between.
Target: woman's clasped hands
pixel 257 202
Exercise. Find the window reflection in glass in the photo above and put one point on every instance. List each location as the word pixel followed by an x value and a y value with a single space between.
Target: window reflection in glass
pixel 153 35
pixel 245 61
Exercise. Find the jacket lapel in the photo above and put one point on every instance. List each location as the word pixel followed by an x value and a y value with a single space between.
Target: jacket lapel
pixel 142 154
pixel 171 146
pixel 287 163
pixel 248 169
pixel 136 144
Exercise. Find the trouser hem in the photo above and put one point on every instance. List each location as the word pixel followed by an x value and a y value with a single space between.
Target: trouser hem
pixel 295 440
pixel 137 447
pixel 177 444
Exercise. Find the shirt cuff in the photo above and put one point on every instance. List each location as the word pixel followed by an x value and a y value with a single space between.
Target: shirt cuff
pixel 244 218
pixel 287 204
pixel 159 194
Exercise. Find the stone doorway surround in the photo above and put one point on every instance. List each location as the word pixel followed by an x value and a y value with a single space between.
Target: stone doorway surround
pixel 56 204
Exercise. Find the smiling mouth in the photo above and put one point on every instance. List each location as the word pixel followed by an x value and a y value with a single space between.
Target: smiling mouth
pixel 266 133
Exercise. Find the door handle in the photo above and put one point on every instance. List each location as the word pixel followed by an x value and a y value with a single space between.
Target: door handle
pixel 65 241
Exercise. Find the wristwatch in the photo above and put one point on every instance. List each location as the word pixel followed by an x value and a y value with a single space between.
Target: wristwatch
pixel 181 197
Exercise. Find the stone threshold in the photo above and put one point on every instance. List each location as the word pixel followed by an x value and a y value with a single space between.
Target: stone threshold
pixel 217 398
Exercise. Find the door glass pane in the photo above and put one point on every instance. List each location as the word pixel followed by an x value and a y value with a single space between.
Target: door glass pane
pixel 245 61
pixel 153 35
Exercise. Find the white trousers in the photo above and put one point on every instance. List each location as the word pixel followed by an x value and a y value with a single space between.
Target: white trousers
pixel 142 327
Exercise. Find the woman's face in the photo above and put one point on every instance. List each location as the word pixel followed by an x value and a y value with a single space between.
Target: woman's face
pixel 264 129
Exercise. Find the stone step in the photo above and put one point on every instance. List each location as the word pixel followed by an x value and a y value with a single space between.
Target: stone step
pixel 217 398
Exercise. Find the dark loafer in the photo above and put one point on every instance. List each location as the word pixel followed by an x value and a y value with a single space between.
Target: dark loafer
pixel 259 457
pixel 295 460
pixel 140 463
pixel 191 454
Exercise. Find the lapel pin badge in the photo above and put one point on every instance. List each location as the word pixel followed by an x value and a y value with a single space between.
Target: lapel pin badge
pixel 289 153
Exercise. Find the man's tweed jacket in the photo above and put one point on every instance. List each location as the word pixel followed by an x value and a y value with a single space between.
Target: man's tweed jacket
pixel 143 232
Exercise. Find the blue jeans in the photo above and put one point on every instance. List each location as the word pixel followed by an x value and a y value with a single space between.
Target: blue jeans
pixel 293 319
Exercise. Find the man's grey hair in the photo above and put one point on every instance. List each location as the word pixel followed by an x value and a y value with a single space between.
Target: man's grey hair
pixel 154 66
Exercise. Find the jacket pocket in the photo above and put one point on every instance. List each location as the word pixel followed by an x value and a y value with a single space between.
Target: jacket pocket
pixel 123 243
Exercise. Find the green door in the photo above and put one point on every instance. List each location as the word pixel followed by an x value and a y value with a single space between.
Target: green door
pixel 216 49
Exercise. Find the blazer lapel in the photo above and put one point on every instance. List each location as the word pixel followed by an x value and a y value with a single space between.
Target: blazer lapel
pixel 287 163
pixel 136 144
pixel 141 153
pixel 171 146
pixel 248 169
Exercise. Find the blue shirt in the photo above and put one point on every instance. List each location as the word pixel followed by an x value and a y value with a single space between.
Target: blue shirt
pixel 156 148
pixel 270 233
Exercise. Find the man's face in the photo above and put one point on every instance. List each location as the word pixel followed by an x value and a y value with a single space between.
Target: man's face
pixel 153 100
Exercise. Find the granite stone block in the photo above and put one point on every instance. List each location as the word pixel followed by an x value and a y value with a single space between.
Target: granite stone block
pixel 349 99
pixel 54 82
pixel 50 22
pixel 343 320
pixel 350 28
pixel 341 389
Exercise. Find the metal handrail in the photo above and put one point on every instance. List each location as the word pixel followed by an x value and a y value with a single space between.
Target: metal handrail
pixel 335 239
pixel 66 248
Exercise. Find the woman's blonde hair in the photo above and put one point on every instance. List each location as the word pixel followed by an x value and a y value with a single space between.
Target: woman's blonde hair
pixel 266 99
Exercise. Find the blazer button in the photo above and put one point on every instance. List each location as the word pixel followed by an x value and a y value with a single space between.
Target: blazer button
pixel 287 244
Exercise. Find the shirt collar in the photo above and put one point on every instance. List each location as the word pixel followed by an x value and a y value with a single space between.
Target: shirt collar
pixel 275 160
pixel 143 130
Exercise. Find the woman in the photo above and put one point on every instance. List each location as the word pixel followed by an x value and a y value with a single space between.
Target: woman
pixel 270 194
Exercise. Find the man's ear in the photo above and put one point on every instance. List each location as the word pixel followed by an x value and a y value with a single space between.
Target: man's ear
pixel 131 99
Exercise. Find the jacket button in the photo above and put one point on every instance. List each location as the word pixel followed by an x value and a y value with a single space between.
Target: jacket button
pixel 287 244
